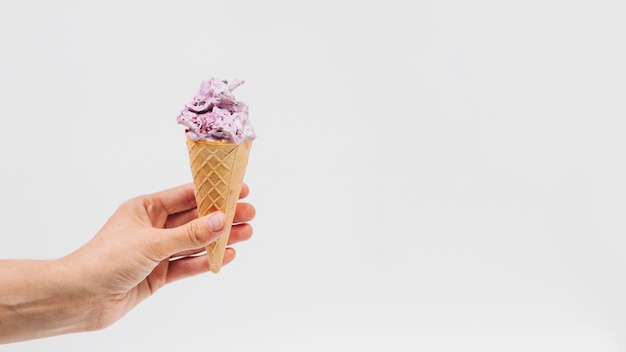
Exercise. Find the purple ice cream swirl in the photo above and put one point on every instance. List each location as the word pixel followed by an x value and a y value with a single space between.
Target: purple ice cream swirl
pixel 214 114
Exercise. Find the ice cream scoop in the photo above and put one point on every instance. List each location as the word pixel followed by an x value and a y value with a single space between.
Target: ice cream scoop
pixel 214 114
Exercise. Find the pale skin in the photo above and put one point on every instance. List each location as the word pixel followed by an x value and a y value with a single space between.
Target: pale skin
pixel 148 242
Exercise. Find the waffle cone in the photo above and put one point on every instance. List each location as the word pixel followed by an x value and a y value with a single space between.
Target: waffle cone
pixel 218 169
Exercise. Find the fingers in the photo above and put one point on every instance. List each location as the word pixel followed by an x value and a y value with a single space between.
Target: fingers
pixel 190 266
pixel 245 212
pixel 176 199
pixel 186 234
pixel 245 190
pixel 182 198
pixel 238 233
pixel 181 218
pixel 194 234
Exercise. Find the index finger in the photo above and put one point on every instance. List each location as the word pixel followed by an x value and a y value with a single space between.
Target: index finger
pixel 177 199
pixel 182 198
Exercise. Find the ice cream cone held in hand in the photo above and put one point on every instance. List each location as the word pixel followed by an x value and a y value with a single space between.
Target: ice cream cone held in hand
pixel 219 138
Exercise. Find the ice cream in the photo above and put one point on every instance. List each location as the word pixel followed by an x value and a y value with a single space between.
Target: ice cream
pixel 214 114
pixel 219 138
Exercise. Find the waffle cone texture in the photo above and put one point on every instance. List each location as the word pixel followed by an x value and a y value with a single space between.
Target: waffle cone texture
pixel 218 169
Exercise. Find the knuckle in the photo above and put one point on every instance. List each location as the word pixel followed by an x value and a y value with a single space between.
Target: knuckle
pixel 195 233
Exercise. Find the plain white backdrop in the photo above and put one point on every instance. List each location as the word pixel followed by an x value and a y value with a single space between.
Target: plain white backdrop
pixel 429 175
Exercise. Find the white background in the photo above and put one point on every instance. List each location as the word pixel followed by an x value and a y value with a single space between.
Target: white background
pixel 432 175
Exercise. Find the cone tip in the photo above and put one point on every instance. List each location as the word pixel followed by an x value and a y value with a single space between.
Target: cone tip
pixel 215 270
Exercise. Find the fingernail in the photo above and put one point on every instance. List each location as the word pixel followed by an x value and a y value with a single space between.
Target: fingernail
pixel 216 222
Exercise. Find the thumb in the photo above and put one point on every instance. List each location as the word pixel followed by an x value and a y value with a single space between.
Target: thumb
pixel 192 235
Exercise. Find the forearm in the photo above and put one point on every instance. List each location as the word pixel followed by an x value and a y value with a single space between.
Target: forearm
pixel 40 298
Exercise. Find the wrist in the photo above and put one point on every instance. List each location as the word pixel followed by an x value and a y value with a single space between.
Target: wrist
pixel 41 298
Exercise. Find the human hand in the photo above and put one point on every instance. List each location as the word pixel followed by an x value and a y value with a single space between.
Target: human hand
pixel 150 241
